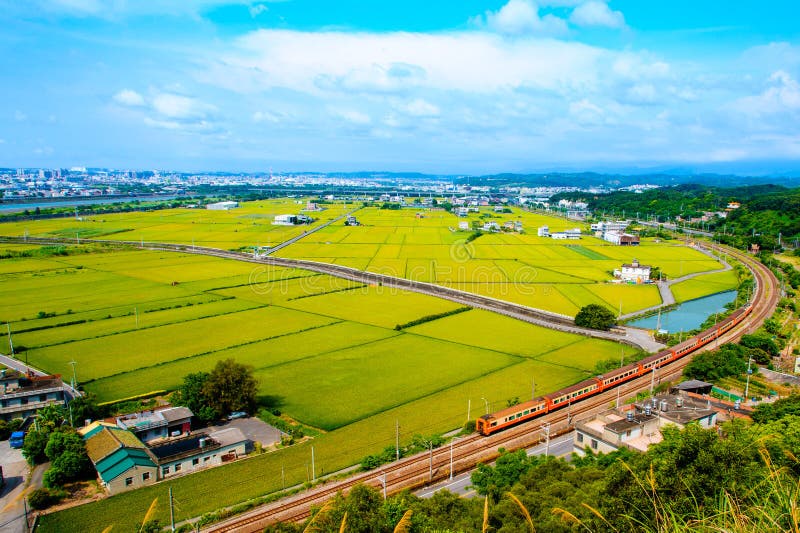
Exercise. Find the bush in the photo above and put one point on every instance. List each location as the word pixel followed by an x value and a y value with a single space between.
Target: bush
pixel 43 498
pixel 595 316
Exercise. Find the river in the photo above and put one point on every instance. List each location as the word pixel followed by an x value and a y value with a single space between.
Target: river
pixel 688 315
pixel 12 206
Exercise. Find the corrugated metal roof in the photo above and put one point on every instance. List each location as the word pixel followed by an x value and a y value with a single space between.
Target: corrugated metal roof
pixel 93 428
pixel 121 461
pixel 176 413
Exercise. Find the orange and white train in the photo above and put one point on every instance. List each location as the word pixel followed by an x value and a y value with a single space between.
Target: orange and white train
pixel 490 423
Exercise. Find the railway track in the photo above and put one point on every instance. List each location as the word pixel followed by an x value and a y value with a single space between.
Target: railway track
pixel 538 317
pixel 434 465
pixel 428 467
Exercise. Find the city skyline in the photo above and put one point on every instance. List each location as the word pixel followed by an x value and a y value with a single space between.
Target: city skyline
pixel 474 87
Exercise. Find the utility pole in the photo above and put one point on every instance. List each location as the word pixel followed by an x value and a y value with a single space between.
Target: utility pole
pixel 546 429
pixel 10 342
pixel 749 372
pixel 25 506
pixel 382 479
pixel 486 404
pixel 469 409
pixel 313 469
pixel 136 313
pixel 171 512
pixel 533 388
pixel 397 439
pixel 74 378
pixel 430 459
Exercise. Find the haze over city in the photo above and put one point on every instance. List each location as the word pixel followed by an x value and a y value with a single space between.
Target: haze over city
pixel 455 87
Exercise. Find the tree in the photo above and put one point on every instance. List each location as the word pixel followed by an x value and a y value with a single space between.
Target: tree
pixel 728 360
pixel 34 446
pixel 84 408
pixel 595 316
pixel 231 386
pixel 192 395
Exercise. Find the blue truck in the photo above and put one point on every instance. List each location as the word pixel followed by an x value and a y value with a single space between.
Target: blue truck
pixel 17 439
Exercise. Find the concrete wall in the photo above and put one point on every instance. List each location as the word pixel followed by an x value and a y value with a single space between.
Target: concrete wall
pixel 136 476
pixel 200 460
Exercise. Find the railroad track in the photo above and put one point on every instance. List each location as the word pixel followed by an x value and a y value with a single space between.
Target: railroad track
pixel 428 467
pixel 538 317
pixel 434 465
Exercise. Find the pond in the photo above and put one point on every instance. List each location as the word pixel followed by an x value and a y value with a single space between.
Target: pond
pixel 688 315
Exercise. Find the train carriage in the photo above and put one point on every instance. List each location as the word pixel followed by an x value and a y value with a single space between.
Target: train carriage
pixel 657 360
pixel 620 375
pixel 572 394
pixel 488 424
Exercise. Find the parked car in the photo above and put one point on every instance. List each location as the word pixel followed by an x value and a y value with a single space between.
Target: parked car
pixel 237 414
pixel 17 439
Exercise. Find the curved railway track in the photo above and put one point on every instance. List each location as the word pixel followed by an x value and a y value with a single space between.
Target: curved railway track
pixel 432 466
pixel 468 451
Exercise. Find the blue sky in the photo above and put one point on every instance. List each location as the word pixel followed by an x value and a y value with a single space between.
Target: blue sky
pixel 444 87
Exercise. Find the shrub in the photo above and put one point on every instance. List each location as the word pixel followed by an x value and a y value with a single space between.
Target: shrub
pixel 595 317
pixel 44 498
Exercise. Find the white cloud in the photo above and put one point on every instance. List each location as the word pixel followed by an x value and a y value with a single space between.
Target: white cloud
pixel 175 106
pixel 519 17
pixel 257 9
pixel 782 96
pixel 470 62
pixel 268 116
pixel 128 97
pixel 642 93
pixel 638 66
pixel 352 116
pixel 585 112
pixel 421 108
pixel 597 13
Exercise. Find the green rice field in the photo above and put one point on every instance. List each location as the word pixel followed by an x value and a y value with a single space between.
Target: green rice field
pixel 324 348
pixel 705 285
pixel 560 276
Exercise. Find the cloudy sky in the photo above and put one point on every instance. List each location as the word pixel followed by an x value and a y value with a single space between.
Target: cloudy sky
pixel 447 87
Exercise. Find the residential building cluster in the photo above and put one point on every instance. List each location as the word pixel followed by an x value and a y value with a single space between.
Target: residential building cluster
pixel 140 449
pixel 638 425
pixel 21 395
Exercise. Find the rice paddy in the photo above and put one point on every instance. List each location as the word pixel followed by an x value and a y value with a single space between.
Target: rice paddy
pixel 324 348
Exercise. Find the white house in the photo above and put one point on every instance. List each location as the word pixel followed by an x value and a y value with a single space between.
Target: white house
pixel 284 220
pixel 463 226
pixel 543 231
pixel 222 206
pixel 634 272
pixel 619 227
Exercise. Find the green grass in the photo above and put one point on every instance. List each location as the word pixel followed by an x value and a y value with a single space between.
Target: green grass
pixel 123 352
pixel 704 285
pixel 374 377
pixel 322 347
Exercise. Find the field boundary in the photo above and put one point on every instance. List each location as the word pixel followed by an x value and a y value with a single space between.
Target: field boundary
pixel 532 315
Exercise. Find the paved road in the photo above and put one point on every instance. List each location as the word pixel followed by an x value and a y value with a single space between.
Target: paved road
pixel 20 481
pixel 461 484
pixel 16 364
pixel 306 233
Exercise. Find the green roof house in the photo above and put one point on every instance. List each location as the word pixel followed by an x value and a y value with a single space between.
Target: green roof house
pixel 121 460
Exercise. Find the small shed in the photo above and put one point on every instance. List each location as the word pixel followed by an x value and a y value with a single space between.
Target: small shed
pixel 696 386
